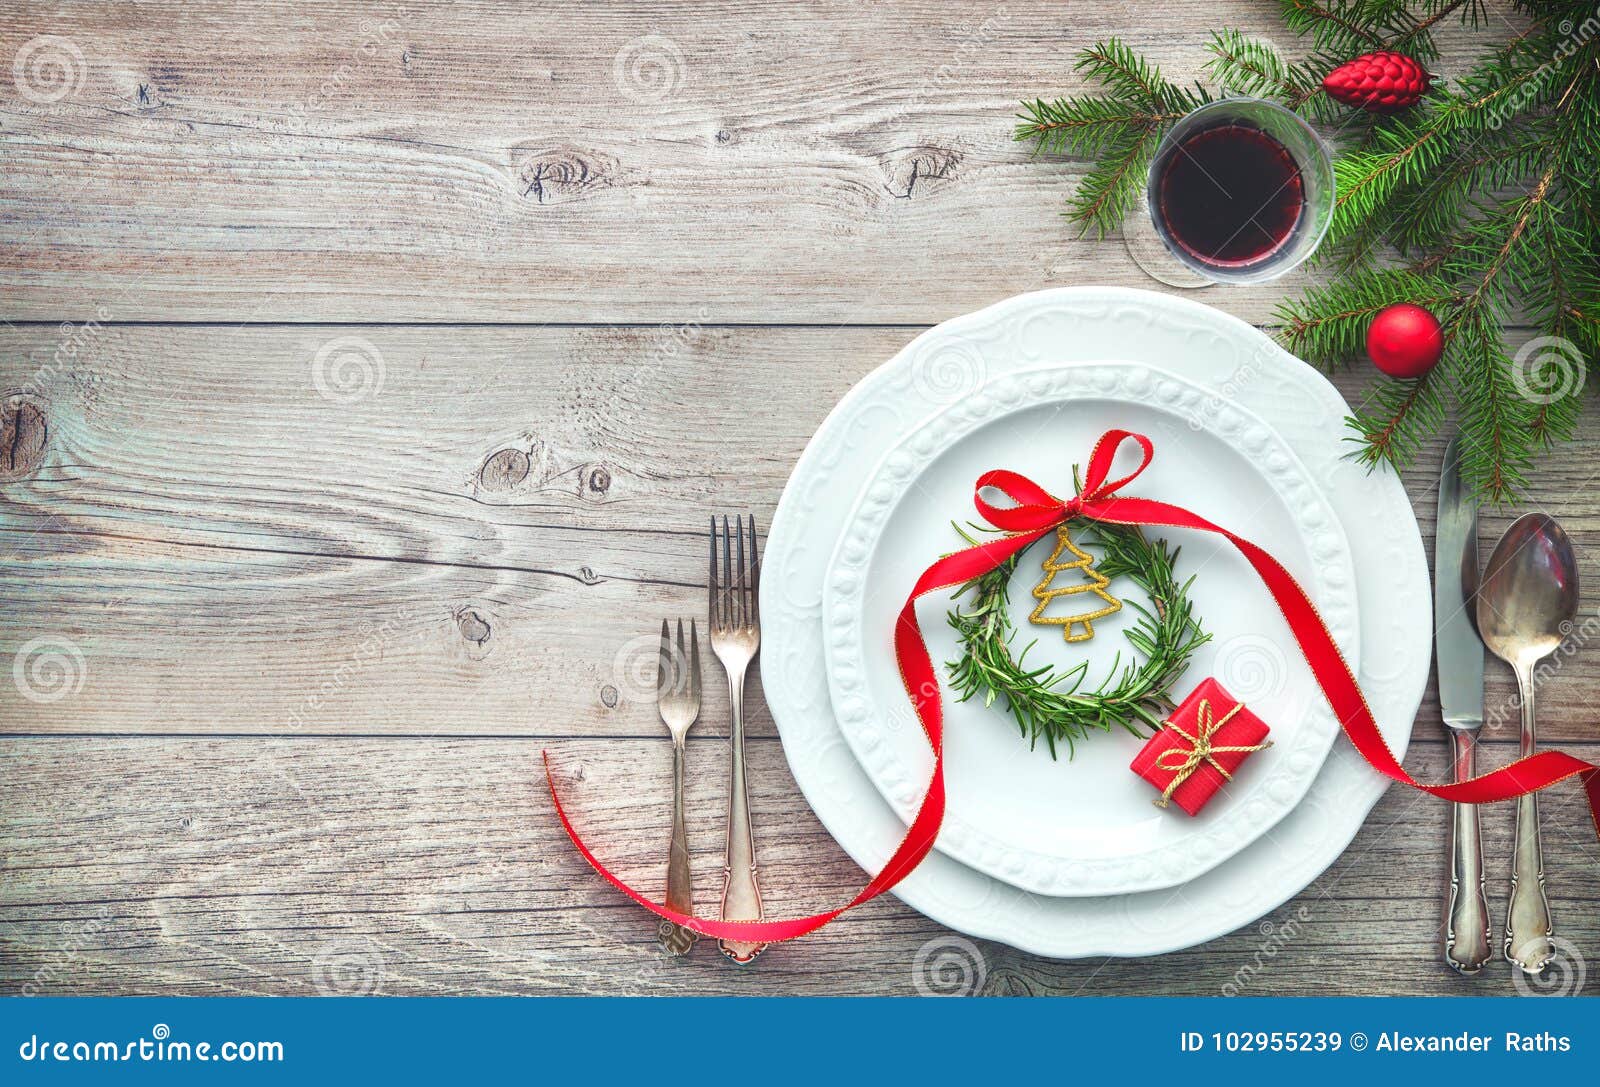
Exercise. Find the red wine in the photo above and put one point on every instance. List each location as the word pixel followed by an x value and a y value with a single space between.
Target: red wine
pixel 1229 195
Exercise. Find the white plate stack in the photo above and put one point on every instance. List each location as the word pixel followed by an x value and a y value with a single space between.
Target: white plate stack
pixel 1070 857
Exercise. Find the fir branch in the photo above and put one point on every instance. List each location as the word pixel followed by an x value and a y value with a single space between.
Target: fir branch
pixel 1129 76
pixel 1121 130
pixel 1348 28
pixel 1401 155
pixel 1428 215
pixel 1247 66
pixel 1417 34
pixel 1111 187
pixel 1554 420
pixel 1410 150
pixel 1488 287
pixel 1396 419
pixel 1496 444
pixel 1335 26
pixel 1251 67
pixel 1085 126
pixel 1328 325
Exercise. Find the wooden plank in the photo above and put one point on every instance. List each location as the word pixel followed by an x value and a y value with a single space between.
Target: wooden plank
pixel 481 542
pixel 457 550
pixel 220 866
pixel 726 161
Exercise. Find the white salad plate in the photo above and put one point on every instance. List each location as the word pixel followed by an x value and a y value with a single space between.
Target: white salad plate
pixel 1234 363
pixel 1086 825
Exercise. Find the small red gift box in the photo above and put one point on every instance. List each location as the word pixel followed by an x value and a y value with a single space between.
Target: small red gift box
pixel 1199 747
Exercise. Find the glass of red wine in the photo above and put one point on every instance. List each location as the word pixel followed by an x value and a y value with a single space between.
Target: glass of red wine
pixel 1240 190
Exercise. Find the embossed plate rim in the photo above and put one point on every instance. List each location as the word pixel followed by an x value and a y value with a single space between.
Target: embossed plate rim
pixel 1260 878
pixel 1189 847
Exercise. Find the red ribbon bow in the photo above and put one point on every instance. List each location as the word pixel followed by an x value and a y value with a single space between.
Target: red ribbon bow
pixel 1034 512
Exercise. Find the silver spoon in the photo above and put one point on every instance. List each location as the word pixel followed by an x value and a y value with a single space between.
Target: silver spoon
pixel 1526 602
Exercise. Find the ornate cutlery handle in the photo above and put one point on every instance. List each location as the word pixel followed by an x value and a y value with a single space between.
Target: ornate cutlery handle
pixel 741 895
pixel 680 885
pixel 1466 940
pixel 1528 925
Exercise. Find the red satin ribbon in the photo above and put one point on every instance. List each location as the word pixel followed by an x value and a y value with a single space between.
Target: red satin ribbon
pixel 1033 514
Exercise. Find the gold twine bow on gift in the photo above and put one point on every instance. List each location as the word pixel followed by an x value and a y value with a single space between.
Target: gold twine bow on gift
pixel 1201 749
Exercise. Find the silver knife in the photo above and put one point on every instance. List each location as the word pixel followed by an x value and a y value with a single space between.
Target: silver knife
pixel 1460 658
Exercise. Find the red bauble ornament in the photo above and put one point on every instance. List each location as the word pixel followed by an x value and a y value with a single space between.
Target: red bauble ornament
pixel 1380 82
pixel 1405 340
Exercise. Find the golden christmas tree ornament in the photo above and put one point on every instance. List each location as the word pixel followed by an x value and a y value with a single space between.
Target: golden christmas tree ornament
pixel 1093 582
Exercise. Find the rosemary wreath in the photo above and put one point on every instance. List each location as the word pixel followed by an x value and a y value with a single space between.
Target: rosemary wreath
pixel 1054 706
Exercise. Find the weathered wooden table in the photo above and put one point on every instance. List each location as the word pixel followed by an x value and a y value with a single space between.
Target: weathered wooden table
pixel 369 373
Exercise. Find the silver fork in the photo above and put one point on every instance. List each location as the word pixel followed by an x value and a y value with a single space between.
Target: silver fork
pixel 732 589
pixel 678 698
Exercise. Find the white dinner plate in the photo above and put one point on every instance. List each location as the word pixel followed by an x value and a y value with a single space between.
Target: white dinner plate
pixel 1233 361
pixel 1086 826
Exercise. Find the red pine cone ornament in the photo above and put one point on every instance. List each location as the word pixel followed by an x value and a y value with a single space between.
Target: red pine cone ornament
pixel 1380 82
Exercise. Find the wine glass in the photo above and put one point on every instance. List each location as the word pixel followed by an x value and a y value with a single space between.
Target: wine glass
pixel 1240 190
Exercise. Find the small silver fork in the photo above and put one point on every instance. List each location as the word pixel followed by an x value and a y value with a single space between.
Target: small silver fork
pixel 678 698
pixel 733 590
